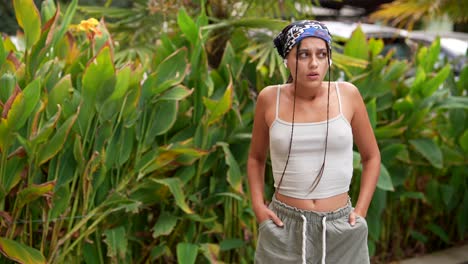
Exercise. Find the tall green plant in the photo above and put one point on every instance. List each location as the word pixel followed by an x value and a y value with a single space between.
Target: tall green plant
pixel 119 163
pixel 419 121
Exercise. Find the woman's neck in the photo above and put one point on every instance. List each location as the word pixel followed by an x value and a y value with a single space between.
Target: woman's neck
pixel 308 93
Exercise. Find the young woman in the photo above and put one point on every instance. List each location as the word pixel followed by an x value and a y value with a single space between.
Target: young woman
pixel 309 126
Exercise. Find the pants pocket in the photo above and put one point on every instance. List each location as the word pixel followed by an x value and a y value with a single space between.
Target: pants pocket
pixel 264 223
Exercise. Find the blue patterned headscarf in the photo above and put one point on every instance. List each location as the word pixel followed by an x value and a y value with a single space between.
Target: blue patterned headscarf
pixel 299 30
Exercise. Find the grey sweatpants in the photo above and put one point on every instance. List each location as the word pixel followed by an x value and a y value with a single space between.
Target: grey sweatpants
pixel 312 237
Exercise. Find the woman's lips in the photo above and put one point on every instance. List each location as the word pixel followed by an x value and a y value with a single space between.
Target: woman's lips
pixel 313 76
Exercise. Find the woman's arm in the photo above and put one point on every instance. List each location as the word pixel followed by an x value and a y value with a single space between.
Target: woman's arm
pixel 370 155
pixel 257 158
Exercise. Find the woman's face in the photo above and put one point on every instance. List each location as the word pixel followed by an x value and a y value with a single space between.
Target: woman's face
pixel 312 61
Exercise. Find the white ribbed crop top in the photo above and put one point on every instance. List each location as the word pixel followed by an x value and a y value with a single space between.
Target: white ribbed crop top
pixel 307 155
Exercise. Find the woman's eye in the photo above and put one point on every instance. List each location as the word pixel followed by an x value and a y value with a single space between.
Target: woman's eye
pixel 303 54
pixel 322 55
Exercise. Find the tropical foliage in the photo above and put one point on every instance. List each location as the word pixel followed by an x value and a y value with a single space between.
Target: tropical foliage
pixel 132 161
pixel 408 13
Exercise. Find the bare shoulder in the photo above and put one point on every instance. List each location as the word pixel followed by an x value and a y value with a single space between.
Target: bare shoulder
pixel 267 94
pixel 349 90
pixel 268 91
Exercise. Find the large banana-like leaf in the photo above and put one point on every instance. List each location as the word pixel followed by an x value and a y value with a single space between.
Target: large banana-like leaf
pixel 165 224
pixel 385 180
pixel 52 147
pixel 220 107
pixel 3 53
pixel 429 150
pixel 175 187
pixel 33 192
pixel 187 253
pixel 23 105
pixel 234 175
pixel 187 26
pixel 20 252
pixel 29 19
pixel 117 242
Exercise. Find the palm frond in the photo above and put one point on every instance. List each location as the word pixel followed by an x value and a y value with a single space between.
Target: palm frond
pixel 405 14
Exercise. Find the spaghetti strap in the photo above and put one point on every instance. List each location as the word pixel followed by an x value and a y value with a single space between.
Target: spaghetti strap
pixel 277 100
pixel 339 96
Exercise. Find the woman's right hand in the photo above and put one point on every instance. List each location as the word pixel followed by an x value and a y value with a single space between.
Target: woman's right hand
pixel 264 213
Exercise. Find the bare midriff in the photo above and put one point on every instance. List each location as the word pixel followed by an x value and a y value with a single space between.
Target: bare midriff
pixel 320 205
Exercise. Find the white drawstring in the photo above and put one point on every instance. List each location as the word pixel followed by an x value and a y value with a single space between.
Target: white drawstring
pixel 324 238
pixel 304 229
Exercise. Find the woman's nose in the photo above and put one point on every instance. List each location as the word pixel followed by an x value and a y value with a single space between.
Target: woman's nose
pixel 313 61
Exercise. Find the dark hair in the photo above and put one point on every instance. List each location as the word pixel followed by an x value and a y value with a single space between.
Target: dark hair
pixel 279 44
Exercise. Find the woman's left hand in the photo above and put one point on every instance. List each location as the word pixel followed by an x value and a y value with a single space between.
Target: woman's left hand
pixel 352 217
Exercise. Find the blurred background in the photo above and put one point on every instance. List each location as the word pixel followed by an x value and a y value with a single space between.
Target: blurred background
pixel 125 125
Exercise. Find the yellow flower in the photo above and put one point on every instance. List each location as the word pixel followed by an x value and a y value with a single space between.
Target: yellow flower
pixel 90 26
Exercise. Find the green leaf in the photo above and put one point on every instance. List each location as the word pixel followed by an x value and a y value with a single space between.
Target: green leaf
pixel 452 102
pixel 165 117
pixel 116 241
pixel 234 174
pixel 29 19
pixel 413 195
pixel 175 187
pixel 211 252
pixel 121 147
pixel 90 253
pixel 229 244
pixel 15 167
pixel 418 236
pixel 396 70
pixel 391 152
pixel 59 94
pixel 384 132
pixel 419 79
pixel 356 160
pixel 98 78
pixel 46 130
pixel 3 53
pixel 462 217
pixel 432 56
pixel 65 22
pixel 60 200
pixel 404 104
pixel 170 72
pixel 439 231
pixel 122 84
pixel 7 84
pixel 97 73
pixel 33 192
pixel 463 79
pixel 20 253
pixel 187 253
pixel 434 83
pixel 177 93
pixel 187 26
pixel 357 46
pixel 447 192
pixel 24 105
pixel 48 10
pixel 218 108
pixel 429 150
pixel 464 141
pixel 376 46
pixel 52 147
pixel 165 225
pixel 385 180
pixel 372 112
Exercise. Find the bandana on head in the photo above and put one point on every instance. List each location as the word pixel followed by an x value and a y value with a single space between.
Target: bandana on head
pixel 285 41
